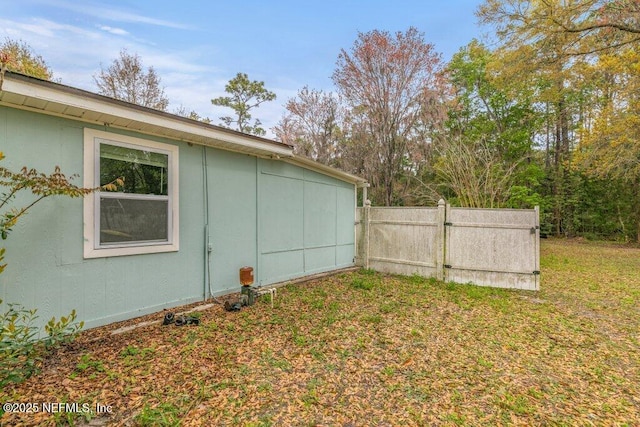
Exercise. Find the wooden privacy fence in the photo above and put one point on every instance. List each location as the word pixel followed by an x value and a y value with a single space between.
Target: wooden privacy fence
pixel 487 247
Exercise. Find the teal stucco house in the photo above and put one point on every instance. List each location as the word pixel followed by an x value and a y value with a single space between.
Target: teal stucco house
pixel 199 203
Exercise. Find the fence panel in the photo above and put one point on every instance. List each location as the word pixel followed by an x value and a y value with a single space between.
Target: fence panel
pixel 404 240
pixel 493 247
pixel 487 247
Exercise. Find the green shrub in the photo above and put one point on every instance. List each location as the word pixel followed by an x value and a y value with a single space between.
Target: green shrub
pixel 63 331
pixel 20 347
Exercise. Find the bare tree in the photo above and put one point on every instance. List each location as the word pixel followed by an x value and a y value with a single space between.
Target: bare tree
pixel 388 80
pixel 183 111
pixel 312 125
pixel 475 173
pixel 126 79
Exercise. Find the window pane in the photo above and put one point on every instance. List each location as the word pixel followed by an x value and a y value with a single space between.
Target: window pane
pixel 127 220
pixel 144 172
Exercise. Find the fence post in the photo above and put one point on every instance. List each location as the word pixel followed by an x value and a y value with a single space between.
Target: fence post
pixel 537 247
pixel 365 230
pixel 440 240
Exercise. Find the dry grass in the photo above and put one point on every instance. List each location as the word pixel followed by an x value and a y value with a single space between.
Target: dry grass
pixel 363 349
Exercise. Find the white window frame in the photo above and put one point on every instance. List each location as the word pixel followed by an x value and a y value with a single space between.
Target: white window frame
pixel 91 207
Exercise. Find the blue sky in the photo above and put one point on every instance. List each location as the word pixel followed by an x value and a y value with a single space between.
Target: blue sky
pixel 196 47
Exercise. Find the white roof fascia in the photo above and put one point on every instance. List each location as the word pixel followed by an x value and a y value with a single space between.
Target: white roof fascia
pixel 68 96
pixel 325 170
pixel 54 95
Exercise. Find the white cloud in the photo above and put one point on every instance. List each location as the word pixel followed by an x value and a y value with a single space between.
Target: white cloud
pixel 120 16
pixel 109 13
pixel 42 28
pixel 193 92
pixel 181 62
pixel 112 30
pixel 75 53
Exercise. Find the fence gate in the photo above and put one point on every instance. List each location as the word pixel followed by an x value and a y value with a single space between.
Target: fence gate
pixel 404 239
pixel 487 247
pixel 493 247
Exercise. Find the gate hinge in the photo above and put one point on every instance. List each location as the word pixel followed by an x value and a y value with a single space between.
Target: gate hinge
pixel 448 223
pixel 447 266
pixel 536 272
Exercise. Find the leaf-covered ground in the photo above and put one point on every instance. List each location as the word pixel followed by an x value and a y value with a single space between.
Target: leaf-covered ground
pixel 363 349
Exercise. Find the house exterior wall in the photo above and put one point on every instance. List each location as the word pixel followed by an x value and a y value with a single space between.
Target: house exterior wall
pixel 305 222
pixel 283 220
pixel 232 217
pixel 45 264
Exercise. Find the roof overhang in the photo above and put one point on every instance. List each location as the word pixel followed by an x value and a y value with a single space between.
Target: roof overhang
pixel 326 170
pixel 28 93
pixel 32 94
